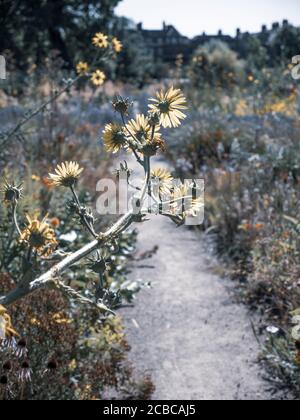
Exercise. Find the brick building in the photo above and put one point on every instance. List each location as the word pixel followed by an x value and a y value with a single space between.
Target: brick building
pixel 165 44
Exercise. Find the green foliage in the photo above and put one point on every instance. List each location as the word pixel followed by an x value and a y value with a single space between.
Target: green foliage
pixel 31 31
pixel 216 64
pixel 285 44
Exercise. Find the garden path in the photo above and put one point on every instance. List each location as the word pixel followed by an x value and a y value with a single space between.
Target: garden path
pixel 187 331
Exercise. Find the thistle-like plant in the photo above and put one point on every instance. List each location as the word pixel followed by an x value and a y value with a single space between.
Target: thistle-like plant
pixel 140 136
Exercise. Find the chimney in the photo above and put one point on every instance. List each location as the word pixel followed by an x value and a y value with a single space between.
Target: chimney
pixel 220 33
pixel 285 23
pixel 140 26
pixel 164 26
pixel 238 32
pixel 275 26
pixel 264 29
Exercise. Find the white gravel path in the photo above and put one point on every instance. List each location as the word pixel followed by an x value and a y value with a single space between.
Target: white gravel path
pixel 187 331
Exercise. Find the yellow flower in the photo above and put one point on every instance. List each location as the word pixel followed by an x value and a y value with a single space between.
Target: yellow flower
pixel 98 78
pixel 40 236
pixel 60 318
pixel 6 328
pixel 82 68
pixel 150 140
pixel 164 179
pixel 169 105
pixel 100 40
pixel 66 174
pixel 141 128
pixel 114 138
pixel 117 45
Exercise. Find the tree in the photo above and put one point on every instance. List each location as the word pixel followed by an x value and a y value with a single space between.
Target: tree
pixel 284 44
pixel 216 64
pixel 64 25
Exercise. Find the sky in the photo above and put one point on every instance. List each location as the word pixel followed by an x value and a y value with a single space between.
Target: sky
pixel 192 17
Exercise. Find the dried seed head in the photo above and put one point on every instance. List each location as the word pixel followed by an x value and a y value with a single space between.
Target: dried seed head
pixel 39 235
pixel 25 365
pixel 12 193
pixel 122 105
pixel 99 266
pixel 52 365
pixel 7 366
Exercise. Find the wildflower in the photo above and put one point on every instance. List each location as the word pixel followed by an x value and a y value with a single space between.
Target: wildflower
pixel 35 322
pixel 51 368
pixel 122 105
pixel 98 78
pixel 259 226
pixel 47 182
pixel 6 328
pixel 12 193
pixel 246 227
pixel 114 137
pixel 55 222
pixel 169 105
pixel 100 40
pixel 40 236
pixel 52 365
pixel 142 130
pixel 73 364
pixel 21 348
pixel 60 319
pixel 82 68
pixel 117 45
pixel 164 179
pixel 25 372
pixel 67 174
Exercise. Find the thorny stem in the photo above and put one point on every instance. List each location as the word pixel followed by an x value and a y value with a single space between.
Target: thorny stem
pixel 89 227
pixel 73 294
pixel 69 261
pixel 139 160
pixel 15 205
pixel 121 225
